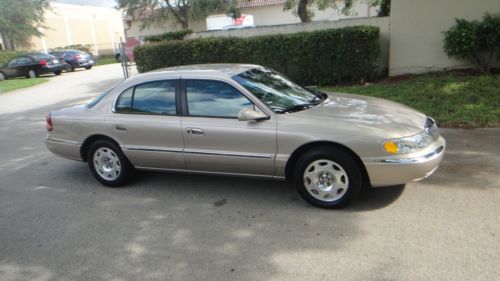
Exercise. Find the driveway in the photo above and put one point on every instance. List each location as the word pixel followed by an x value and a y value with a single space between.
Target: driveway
pixel 58 223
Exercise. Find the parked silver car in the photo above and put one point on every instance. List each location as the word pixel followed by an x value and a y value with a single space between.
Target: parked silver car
pixel 247 120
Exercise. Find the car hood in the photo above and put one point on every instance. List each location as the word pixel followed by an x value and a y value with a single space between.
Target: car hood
pixel 362 114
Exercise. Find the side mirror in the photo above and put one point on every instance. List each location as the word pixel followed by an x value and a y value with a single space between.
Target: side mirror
pixel 248 114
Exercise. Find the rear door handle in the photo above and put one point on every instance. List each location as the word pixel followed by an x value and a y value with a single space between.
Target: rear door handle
pixel 120 127
pixel 195 131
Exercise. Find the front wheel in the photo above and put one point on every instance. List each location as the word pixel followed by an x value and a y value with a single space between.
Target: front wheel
pixel 2 76
pixel 88 67
pixel 328 178
pixel 58 72
pixel 108 164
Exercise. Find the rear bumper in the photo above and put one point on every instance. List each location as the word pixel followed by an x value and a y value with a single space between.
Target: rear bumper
pixel 393 171
pixel 64 148
pixel 85 63
pixel 52 69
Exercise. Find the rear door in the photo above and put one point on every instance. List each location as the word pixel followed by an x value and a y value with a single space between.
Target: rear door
pixel 147 124
pixel 215 141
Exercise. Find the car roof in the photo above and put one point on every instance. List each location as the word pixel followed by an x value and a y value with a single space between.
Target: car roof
pixel 213 69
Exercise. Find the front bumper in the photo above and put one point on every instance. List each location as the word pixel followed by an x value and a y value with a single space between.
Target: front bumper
pixel 400 170
pixel 64 148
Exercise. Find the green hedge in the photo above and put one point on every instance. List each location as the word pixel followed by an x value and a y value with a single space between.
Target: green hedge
pixel 6 56
pixel 319 57
pixel 168 36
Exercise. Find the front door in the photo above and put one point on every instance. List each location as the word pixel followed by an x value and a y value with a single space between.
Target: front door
pixel 147 124
pixel 215 141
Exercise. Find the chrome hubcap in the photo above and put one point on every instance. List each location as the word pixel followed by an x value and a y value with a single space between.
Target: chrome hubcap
pixel 107 164
pixel 32 74
pixel 326 180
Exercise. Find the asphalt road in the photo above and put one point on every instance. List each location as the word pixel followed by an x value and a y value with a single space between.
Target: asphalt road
pixel 58 223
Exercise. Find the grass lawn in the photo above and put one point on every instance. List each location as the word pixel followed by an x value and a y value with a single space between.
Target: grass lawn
pixel 14 84
pixel 104 61
pixel 453 99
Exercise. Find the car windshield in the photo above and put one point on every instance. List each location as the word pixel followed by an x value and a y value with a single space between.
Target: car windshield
pixel 277 92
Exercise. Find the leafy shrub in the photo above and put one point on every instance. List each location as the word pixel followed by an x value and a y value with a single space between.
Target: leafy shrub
pixel 320 57
pixel 84 48
pixel 6 56
pixel 175 35
pixel 476 41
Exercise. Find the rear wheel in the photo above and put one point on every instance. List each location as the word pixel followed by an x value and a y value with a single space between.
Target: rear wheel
pixel 32 74
pixel 108 164
pixel 58 72
pixel 88 67
pixel 328 177
pixel 2 76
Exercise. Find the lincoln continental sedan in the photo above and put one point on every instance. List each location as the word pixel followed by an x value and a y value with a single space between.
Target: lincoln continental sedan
pixel 247 120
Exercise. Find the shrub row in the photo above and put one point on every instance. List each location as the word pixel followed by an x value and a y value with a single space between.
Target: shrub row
pixel 319 57
pixel 476 41
pixel 6 56
pixel 168 36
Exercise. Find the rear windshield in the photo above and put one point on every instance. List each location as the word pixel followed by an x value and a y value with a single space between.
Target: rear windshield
pixel 100 97
pixel 41 56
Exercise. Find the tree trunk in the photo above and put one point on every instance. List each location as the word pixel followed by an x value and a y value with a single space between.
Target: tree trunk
pixel 7 43
pixel 302 11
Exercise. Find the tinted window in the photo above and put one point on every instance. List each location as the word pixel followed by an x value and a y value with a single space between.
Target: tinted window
pixel 148 98
pixel 155 97
pixel 214 98
pixel 13 63
pixel 22 60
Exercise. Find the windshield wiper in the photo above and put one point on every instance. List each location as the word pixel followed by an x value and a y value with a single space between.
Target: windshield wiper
pixel 299 107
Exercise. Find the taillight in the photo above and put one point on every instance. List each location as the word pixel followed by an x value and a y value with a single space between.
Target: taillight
pixel 49 123
pixel 77 57
pixel 42 62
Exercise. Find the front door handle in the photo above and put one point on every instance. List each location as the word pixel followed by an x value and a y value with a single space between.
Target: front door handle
pixel 195 131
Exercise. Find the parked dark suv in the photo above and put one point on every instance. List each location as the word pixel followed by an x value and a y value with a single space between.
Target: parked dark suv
pixel 32 65
pixel 75 59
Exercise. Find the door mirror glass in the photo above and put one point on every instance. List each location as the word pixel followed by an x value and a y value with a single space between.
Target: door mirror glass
pixel 248 114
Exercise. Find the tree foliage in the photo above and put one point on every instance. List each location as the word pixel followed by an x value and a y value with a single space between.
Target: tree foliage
pixel 302 8
pixel 476 41
pixel 180 12
pixel 21 19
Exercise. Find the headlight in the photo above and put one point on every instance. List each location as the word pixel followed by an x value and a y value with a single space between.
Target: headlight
pixel 408 144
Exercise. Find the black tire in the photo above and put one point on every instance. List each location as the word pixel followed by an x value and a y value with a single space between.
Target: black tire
pixel 340 159
pixel 58 72
pixel 88 67
pixel 126 169
pixel 32 74
pixel 118 58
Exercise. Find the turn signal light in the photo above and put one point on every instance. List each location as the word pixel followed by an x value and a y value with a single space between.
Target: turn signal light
pixel 391 147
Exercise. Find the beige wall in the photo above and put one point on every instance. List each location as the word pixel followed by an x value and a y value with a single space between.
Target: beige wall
pixel 381 22
pixel 99 27
pixel 263 16
pixel 417 32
